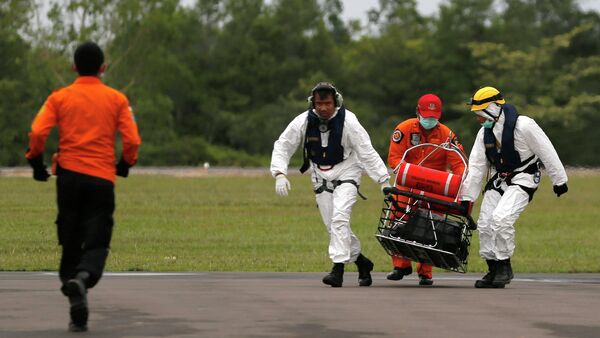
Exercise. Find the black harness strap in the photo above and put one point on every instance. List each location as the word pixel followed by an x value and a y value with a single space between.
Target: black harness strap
pixel 529 191
pixel 323 187
pixel 507 177
pixel 337 183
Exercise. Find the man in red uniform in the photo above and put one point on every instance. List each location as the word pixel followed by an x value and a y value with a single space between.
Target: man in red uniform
pixel 425 128
pixel 88 115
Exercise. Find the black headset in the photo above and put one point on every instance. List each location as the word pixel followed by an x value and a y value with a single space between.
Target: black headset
pixel 337 97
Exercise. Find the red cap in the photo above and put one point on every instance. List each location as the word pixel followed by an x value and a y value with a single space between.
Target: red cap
pixel 430 106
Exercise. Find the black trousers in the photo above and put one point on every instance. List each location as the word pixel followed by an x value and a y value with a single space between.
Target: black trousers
pixel 84 223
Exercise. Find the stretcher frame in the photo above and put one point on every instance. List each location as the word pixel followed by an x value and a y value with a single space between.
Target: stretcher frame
pixel 434 216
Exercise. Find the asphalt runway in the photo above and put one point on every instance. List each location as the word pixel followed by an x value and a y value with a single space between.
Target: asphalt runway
pixel 299 305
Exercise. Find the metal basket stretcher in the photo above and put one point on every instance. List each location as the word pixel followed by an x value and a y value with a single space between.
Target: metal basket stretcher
pixel 427 226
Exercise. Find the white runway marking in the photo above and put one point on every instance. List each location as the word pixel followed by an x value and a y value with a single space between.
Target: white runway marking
pixel 141 274
pixel 528 278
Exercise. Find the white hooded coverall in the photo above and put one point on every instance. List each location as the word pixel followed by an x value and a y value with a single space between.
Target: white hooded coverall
pixel 336 206
pixel 499 212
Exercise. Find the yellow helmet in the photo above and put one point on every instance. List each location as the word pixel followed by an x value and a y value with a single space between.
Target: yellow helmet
pixel 484 96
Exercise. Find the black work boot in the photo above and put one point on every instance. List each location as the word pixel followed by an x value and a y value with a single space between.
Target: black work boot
pixel 510 272
pixel 336 277
pixel 424 280
pixel 486 281
pixel 365 266
pixel 503 274
pixel 399 273
pixel 76 290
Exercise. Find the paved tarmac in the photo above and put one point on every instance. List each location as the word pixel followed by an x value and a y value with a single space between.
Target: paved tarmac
pixel 299 305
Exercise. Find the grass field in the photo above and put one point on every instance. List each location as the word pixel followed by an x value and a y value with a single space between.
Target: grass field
pixel 231 223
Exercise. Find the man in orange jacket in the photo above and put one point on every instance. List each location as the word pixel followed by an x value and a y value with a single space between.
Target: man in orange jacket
pixel 88 115
pixel 425 128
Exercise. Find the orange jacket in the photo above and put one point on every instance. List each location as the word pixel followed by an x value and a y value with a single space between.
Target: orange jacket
pixel 410 133
pixel 88 115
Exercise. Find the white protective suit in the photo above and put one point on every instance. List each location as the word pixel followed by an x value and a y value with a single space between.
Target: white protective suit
pixel 335 207
pixel 499 212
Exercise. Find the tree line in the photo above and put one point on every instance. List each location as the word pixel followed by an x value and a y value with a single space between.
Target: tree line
pixel 218 80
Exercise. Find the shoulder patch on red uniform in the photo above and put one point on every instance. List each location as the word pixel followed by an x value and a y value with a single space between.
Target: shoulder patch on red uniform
pixel 397 136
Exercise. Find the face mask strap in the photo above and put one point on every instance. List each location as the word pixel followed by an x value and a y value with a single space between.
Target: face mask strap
pixel 489 114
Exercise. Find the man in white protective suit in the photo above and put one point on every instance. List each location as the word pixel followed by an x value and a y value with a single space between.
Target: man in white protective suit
pixel 511 149
pixel 338 149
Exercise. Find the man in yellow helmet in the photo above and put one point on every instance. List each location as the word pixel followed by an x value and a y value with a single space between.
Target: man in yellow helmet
pixel 511 148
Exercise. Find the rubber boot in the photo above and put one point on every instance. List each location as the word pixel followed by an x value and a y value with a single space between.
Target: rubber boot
pixel 76 290
pixel 365 266
pixel 503 274
pixel 486 281
pixel 399 273
pixel 336 277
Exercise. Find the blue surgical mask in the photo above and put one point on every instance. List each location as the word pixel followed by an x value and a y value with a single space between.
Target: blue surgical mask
pixel 488 124
pixel 428 122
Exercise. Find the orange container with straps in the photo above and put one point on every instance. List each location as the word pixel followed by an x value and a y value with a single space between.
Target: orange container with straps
pixel 428 180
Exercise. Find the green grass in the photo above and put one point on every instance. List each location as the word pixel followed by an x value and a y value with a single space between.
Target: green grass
pixel 165 223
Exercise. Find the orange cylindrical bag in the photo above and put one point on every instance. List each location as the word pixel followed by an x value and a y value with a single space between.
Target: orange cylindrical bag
pixel 429 180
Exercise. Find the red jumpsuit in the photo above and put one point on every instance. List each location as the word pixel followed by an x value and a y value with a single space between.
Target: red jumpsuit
pixel 410 133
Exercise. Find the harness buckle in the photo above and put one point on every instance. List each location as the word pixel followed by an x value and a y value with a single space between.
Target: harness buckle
pixel 504 175
pixel 500 179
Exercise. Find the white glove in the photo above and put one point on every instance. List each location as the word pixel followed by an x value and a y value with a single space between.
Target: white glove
pixel 385 184
pixel 282 185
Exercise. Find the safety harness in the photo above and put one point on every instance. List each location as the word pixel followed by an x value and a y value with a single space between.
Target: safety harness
pixel 334 152
pixel 506 159
pixel 330 155
pixel 337 183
